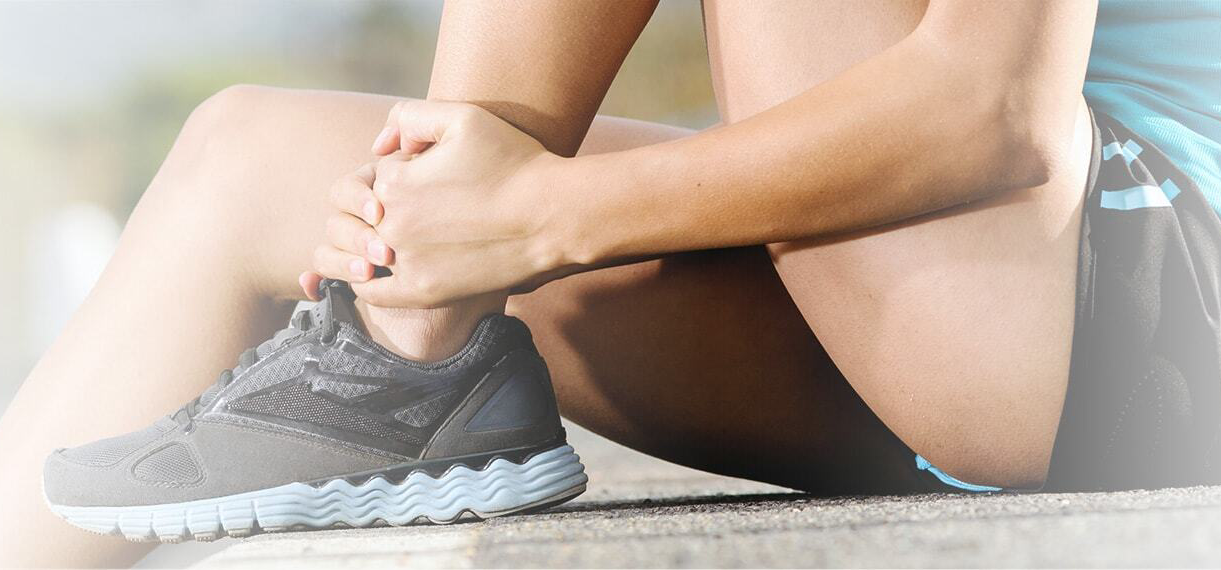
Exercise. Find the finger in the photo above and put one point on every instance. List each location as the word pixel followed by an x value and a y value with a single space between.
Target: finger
pixel 413 126
pixel 393 179
pixel 387 292
pixel 352 235
pixel 402 292
pixel 309 282
pixel 387 141
pixel 336 264
pixel 354 194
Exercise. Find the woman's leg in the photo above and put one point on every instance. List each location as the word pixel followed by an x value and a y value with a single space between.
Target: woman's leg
pixel 701 349
pixel 703 359
pixel 204 270
pixel 956 328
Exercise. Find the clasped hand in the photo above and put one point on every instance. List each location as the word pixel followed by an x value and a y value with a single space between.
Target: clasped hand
pixel 455 207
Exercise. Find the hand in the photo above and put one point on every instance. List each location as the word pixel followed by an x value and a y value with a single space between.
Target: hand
pixel 455 208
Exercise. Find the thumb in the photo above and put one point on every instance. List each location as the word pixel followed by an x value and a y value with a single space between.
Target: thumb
pixel 413 126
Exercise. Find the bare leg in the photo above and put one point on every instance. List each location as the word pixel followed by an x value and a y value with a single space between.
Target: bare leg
pixel 207 267
pixel 955 328
pixel 701 358
pixel 199 276
pixel 704 360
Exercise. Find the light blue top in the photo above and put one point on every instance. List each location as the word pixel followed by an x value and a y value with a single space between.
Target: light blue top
pixel 1156 66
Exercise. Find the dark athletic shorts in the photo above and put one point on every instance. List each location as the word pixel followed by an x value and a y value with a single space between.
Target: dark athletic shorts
pixel 1143 407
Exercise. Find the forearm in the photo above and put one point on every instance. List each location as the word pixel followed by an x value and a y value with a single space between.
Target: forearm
pixel 854 152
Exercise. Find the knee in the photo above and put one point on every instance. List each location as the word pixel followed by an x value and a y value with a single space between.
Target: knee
pixel 228 107
pixel 222 120
pixel 210 153
pixel 208 175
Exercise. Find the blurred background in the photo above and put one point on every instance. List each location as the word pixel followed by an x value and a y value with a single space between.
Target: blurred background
pixel 93 93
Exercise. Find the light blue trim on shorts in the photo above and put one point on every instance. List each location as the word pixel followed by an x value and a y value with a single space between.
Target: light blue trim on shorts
pixel 1143 196
pixel 1130 150
pixel 923 465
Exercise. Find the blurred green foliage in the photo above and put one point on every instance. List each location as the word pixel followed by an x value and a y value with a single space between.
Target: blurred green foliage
pixel 387 48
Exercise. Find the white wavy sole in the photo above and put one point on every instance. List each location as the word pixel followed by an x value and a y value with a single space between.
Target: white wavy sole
pixel 501 488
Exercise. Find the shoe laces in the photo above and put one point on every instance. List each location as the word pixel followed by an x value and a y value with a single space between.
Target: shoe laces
pixel 300 324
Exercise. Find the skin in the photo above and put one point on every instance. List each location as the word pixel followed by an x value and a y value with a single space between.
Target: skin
pixel 473 205
pixel 718 357
pixel 553 100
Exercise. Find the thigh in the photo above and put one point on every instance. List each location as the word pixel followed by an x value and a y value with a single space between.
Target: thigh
pixel 703 359
pixel 955 328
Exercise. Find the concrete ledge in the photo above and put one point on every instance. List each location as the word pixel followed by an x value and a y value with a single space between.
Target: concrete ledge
pixel 644 512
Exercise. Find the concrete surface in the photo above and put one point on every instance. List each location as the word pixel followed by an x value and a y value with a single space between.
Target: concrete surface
pixel 644 512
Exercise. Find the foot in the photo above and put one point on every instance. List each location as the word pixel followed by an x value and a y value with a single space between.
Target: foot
pixel 321 427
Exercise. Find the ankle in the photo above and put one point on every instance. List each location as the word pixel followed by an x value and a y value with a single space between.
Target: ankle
pixel 426 335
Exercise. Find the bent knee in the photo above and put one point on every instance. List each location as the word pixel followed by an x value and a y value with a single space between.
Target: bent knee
pixel 218 178
pixel 228 107
pixel 223 120
pixel 211 133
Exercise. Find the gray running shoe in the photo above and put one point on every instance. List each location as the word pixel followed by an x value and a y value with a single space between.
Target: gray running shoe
pixel 321 427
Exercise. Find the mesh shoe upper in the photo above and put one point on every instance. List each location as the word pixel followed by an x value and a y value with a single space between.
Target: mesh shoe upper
pixel 317 400
pixel 112 450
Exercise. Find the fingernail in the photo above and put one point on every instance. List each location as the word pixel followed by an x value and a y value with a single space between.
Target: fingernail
pixel 371 212
pixel 379 251
pixel 381 138
pixel 357 267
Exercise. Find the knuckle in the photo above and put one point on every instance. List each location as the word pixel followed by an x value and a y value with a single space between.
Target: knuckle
pixel 390 171
pixel 383 195
pixel 471 110
pixel 392 189
pixel 468 114
pixel 382 164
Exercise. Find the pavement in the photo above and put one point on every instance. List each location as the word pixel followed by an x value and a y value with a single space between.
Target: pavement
pixel 643 512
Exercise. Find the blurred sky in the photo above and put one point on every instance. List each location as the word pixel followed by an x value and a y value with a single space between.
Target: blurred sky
pixel 53 53
pixel 93 93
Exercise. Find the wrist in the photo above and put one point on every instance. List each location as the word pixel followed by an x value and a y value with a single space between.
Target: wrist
pixel 565 241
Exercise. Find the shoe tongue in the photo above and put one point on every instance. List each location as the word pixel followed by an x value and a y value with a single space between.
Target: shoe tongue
pixel 338 303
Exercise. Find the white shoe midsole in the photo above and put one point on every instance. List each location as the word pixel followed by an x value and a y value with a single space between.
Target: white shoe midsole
pixel 501 487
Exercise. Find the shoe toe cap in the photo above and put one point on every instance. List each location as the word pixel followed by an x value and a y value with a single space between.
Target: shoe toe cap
pixel 109 471
pixel 66 482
